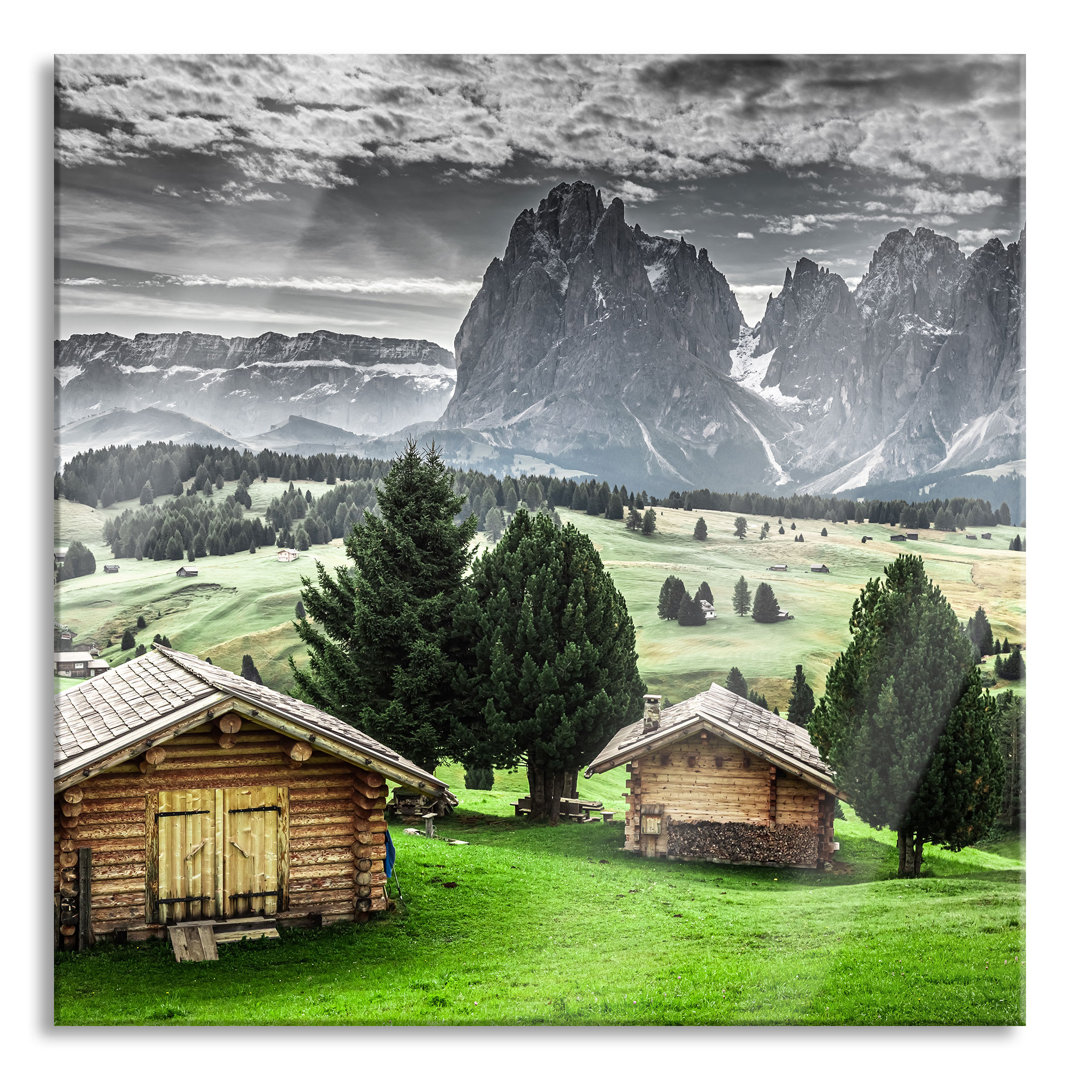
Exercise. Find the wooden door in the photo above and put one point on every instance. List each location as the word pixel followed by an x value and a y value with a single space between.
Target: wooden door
pixel 187 855
pixel 221 853
pixel 254 835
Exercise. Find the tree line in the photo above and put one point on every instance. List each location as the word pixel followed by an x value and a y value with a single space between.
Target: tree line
pixel 118 473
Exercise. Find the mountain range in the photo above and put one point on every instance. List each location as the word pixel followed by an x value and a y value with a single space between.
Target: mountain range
pixel 593 347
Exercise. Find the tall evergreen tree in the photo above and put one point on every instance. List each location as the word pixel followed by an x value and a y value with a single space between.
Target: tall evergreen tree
pixel 671 596
pixel 704 592
pixel 648 522
pixel 383 654
pixel 615 507
pixel 249 671
pixel 740 528
pixel 701 530
pixel 127 641
pixel 555 672
pixel 980 633
pixel 801 702
pixel 736 683
pixel 766 609
pixel 1012 730
pixel 690 611
pixel 904 723
pixel 740 599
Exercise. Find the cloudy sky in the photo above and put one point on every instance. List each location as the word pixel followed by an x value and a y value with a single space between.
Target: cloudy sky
pixel 367 194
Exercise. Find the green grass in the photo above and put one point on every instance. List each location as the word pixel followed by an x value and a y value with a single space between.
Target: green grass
pixel 538 926
pixel 245 603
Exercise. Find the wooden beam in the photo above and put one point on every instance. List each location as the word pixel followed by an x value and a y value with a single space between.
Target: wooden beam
pixel 86 932
pixel 296 751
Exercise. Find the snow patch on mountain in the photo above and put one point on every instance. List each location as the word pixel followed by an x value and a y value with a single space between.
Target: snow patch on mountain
pixel 64 375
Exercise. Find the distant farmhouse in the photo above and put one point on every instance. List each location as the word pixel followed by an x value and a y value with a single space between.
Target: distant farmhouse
pixel 288 555
pixel 818 568
pixel 187 571
pixel 719 779
pixel 72 665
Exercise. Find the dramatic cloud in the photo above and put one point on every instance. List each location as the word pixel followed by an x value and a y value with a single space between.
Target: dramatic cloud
pixel 630 192
pixel 307 119
pixel 384 287
pixel 972 239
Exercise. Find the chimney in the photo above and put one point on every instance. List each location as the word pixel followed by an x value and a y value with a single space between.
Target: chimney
pixel 652 713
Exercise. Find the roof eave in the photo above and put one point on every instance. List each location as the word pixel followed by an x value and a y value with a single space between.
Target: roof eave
pixel 659 739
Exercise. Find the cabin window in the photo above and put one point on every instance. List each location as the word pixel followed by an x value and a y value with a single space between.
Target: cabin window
pixel 217 853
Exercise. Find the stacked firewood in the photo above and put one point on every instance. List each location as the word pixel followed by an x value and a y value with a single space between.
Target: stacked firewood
pixel 735 841
pixel 70 807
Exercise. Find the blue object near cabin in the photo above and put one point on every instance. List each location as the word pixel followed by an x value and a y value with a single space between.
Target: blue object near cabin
pixel 388 862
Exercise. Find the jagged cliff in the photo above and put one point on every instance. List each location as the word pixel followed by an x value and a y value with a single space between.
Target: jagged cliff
pixel 247 385
pixel 590 342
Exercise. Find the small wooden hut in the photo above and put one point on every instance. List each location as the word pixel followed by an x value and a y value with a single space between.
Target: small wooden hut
pixel 187 793
pixel 719 779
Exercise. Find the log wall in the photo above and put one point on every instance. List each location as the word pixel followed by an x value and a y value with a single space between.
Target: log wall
pixel 336 840
pixel 706 798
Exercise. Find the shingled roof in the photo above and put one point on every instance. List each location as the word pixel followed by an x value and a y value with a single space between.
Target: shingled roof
pixel 117 714
pixel 778 741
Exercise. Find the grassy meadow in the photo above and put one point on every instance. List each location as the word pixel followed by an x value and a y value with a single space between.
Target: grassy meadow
pixel 245 603
pixel 530 925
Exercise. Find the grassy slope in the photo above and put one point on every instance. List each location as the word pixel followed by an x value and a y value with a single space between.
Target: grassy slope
pixel 245 603
pixel 559 926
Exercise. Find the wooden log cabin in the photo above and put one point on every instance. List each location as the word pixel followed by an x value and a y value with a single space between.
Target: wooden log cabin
pixel 719 779
pixel 194 794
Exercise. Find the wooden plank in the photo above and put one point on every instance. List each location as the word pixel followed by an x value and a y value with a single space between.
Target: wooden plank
pixel 193 942
pixel 85 937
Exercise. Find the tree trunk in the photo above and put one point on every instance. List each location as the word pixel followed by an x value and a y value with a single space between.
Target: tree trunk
pixel 545 791
pixel 910 851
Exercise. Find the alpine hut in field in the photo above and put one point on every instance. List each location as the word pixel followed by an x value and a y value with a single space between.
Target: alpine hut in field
pixel 719 779
pixel 185 793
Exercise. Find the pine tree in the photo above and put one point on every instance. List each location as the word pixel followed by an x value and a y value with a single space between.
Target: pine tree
pixel 1013 666
pixel 704 592
pixel 735 682
pixel 740 528
pixel 248 670
pixel 634 519
pixel 1012 731
pixel 766 608
pixel 824 532
pixel 980 633
pixel 648 522
pixel 140 623
pixel 701 530
pixel 904 722
pixel 615 507
pixel 479 778
pixel 146 496
pixel 764 530
pixel 801 702
pixel 383 653
pixel 671 597
pixel 555 672
pixel 127 641
pixel 690 611
pixel 740 599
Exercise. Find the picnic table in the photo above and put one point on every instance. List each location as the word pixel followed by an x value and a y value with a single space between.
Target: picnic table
pixel 578 810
